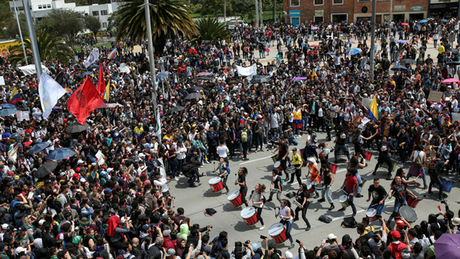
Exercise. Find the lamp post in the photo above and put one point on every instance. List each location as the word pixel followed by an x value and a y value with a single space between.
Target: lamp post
pixel 32 37
pixel 257 14
pixel 374 6
pixel 20 31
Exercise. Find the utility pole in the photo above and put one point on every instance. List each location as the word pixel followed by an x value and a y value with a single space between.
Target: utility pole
pixel 32 38
pixel 20 31
pixel 374 6
pixel 148 23
pixel 391 12
pixel 225 10
pixel 261 14
pixel 274 11
pixel 257 15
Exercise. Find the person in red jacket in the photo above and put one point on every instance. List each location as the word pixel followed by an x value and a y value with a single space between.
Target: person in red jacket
pixel 396 246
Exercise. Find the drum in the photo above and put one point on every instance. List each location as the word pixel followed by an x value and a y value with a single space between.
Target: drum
pixel 343 199
pixel 333 168
pixel 216 184
pixel 408 213
pixel 368 155
pixel 447 184
pixel 310 188
pixel 277 232
pixel 249 215
pixel 411 201
pixel 290 170
pixel 371 214
pixel 320 186
pixel 278 166
pixel 235 198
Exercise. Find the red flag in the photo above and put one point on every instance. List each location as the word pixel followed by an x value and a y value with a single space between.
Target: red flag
pixel 101 82
pixel 84 101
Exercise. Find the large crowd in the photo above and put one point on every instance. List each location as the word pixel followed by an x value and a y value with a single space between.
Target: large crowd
pixel 119 205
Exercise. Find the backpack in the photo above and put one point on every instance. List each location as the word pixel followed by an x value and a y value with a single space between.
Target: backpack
pixel 432 167
pixel 244 136
pixel 325 219
pixel 418 160
pixel 92 177
pixel 349 222
pixel 322 155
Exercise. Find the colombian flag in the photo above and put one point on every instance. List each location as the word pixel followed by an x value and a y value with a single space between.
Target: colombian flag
pixel 374 109
pixel 107 92
pixel 15 96
pixel 112 54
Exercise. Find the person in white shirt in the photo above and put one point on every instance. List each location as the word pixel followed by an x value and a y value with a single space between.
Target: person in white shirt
pixel 222 151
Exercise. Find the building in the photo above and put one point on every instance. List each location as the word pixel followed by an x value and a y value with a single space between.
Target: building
pixel 306 11
pixel 40 8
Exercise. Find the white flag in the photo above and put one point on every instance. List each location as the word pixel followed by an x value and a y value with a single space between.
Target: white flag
pixel 93 57
pixel 247 71
pixel 157 132
pixel 50 92
pixel 100 158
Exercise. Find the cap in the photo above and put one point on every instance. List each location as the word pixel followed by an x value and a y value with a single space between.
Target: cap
pixel 255 246
pixel 5 226
pixel 395 234
pixel 21 229
pixel 145 228
pixel 170 252
pixel 294 149
pixel 207 249
pixel 80 162
pixel 289 255
pixel 400 223
pixel 76 176
pixel 20 250
pixel 405 253
pixel 331 236
pixel 40 222
pixel 166 232
pixel 456 221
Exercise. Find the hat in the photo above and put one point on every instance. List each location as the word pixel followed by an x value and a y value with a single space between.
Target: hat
pixel 170 252
pixel 311 159
pixel 107 190
pixel 76 239
pixel 255 246
pixel 80 162
pixel 289 255
pixel 5 226
pixel 435 131
pixel 84 221
pixel 207 249
pixel 21 229
pixel 294 149
pixel 57 199
pixel 76 176
pixel 40 222
pixel 145 227
pixel 400 223
pixel 395 234
pixel 166 232
pixel 331 236
pixel 456 221
pixel 405 253
pixel 20 250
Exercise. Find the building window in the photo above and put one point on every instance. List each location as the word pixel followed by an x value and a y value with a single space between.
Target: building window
pixel 104 25
pixel 48 6
pixel 39 6
pixel 295 2
pixel 95 13
pixel 318 2
pixel 337 2
pixel 319 19
pixel 103 12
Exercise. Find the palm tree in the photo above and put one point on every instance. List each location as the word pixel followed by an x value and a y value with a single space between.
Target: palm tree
pixel 211 29
pixel 50 47
pixel 169 19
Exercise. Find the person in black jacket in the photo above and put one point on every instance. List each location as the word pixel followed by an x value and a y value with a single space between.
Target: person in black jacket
pixel 384 150
pixel 434 170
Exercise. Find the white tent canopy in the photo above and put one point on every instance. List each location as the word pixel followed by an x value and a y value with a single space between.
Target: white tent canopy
pixel 30 70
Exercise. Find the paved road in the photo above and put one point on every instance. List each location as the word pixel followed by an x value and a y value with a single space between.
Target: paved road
pixel 195 200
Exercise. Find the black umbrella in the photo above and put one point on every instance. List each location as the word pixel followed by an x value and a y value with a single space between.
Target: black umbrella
pixel 38 147
pixel 454 51
pixel 194 89
pixel 193 96
pixel 175 109
pixel 205 78
pixel 46 169
pixel 260 79
pixel 407 61
pixel 453 63
pixel 77 127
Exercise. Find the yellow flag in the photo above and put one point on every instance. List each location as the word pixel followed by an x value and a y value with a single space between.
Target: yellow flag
pixel 313 74
pixel 107 92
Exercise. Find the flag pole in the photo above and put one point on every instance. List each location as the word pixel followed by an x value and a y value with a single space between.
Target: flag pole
pixel 32 37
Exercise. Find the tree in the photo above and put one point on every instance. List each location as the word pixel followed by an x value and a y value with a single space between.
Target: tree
pixel 242 7
pixel 65 23
pixel 93 24
pixel 12 30
pixel 215 6
pixel 170 18
pixel 50 47
pixel 6 15
pixel 211 29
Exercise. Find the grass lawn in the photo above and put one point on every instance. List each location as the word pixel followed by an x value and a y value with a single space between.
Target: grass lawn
pixel 268 15
pixel 99 45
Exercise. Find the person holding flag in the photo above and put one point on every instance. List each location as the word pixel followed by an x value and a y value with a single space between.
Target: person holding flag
pixel 15 97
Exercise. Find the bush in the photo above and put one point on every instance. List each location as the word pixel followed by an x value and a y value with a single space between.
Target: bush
pixel 198 8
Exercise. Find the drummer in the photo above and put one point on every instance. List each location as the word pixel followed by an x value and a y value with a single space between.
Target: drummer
pixel 275 185
pixel 328 178
pixel 297 161
pixel 398 189
pixel 257 199
pixel 283 152
pixel 302 204
pixel 351 188
pixel 315 175
pixel 285 215
pixel 378 194
pixel 241 181
pixel 224 172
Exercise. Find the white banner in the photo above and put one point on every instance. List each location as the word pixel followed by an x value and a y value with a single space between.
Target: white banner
pixel 23 116
pixel 93 57
pixel 30 70
pixel 50 92
pixel 367 102
pixel 2 80
pixel 247 71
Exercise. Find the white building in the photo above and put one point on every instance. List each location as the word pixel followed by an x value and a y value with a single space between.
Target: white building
pixel 40 8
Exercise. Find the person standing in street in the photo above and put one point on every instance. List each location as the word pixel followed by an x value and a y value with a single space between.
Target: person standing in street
pixel 283 152
pixel 224 172
pixel 257 198
pixel 399 191
pixel 297 161
pixel 328 180
pixel 351 188
pixel 301 200
pixel 378 194
pixel 285 214
pixel 241 181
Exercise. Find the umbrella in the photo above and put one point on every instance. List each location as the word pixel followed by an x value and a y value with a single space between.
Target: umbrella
pixel 77 127
pixel 60 153
pixel 192 50
pixel 94 66
pixel 260 79
pixel 443 20
pixel 407 61
pixel 314 46
pixel 298 78
pixel 423 21
pixel 331 53
pixel 450 80
pixel 175 109
pixel 193 96
pixel 454 51
pixel 405 24
pixel 448 246
pixel 194 89
pixel 38 147
pixel 398 67
pixel 46 169
pixel 453 63
pixel 205 78
pixel 88 73
pixel 8 106
pixel 162 75
pixel 400 41
pixel 109 105
pixel 6 112
pixel 354 51
pixel 204 74
pixel 351 42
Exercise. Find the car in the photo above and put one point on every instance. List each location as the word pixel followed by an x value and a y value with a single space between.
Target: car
pixel 235 23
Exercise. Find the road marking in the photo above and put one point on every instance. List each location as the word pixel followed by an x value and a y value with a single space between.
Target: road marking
pixel 338 171
pixel 359 211
pixel 255 160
